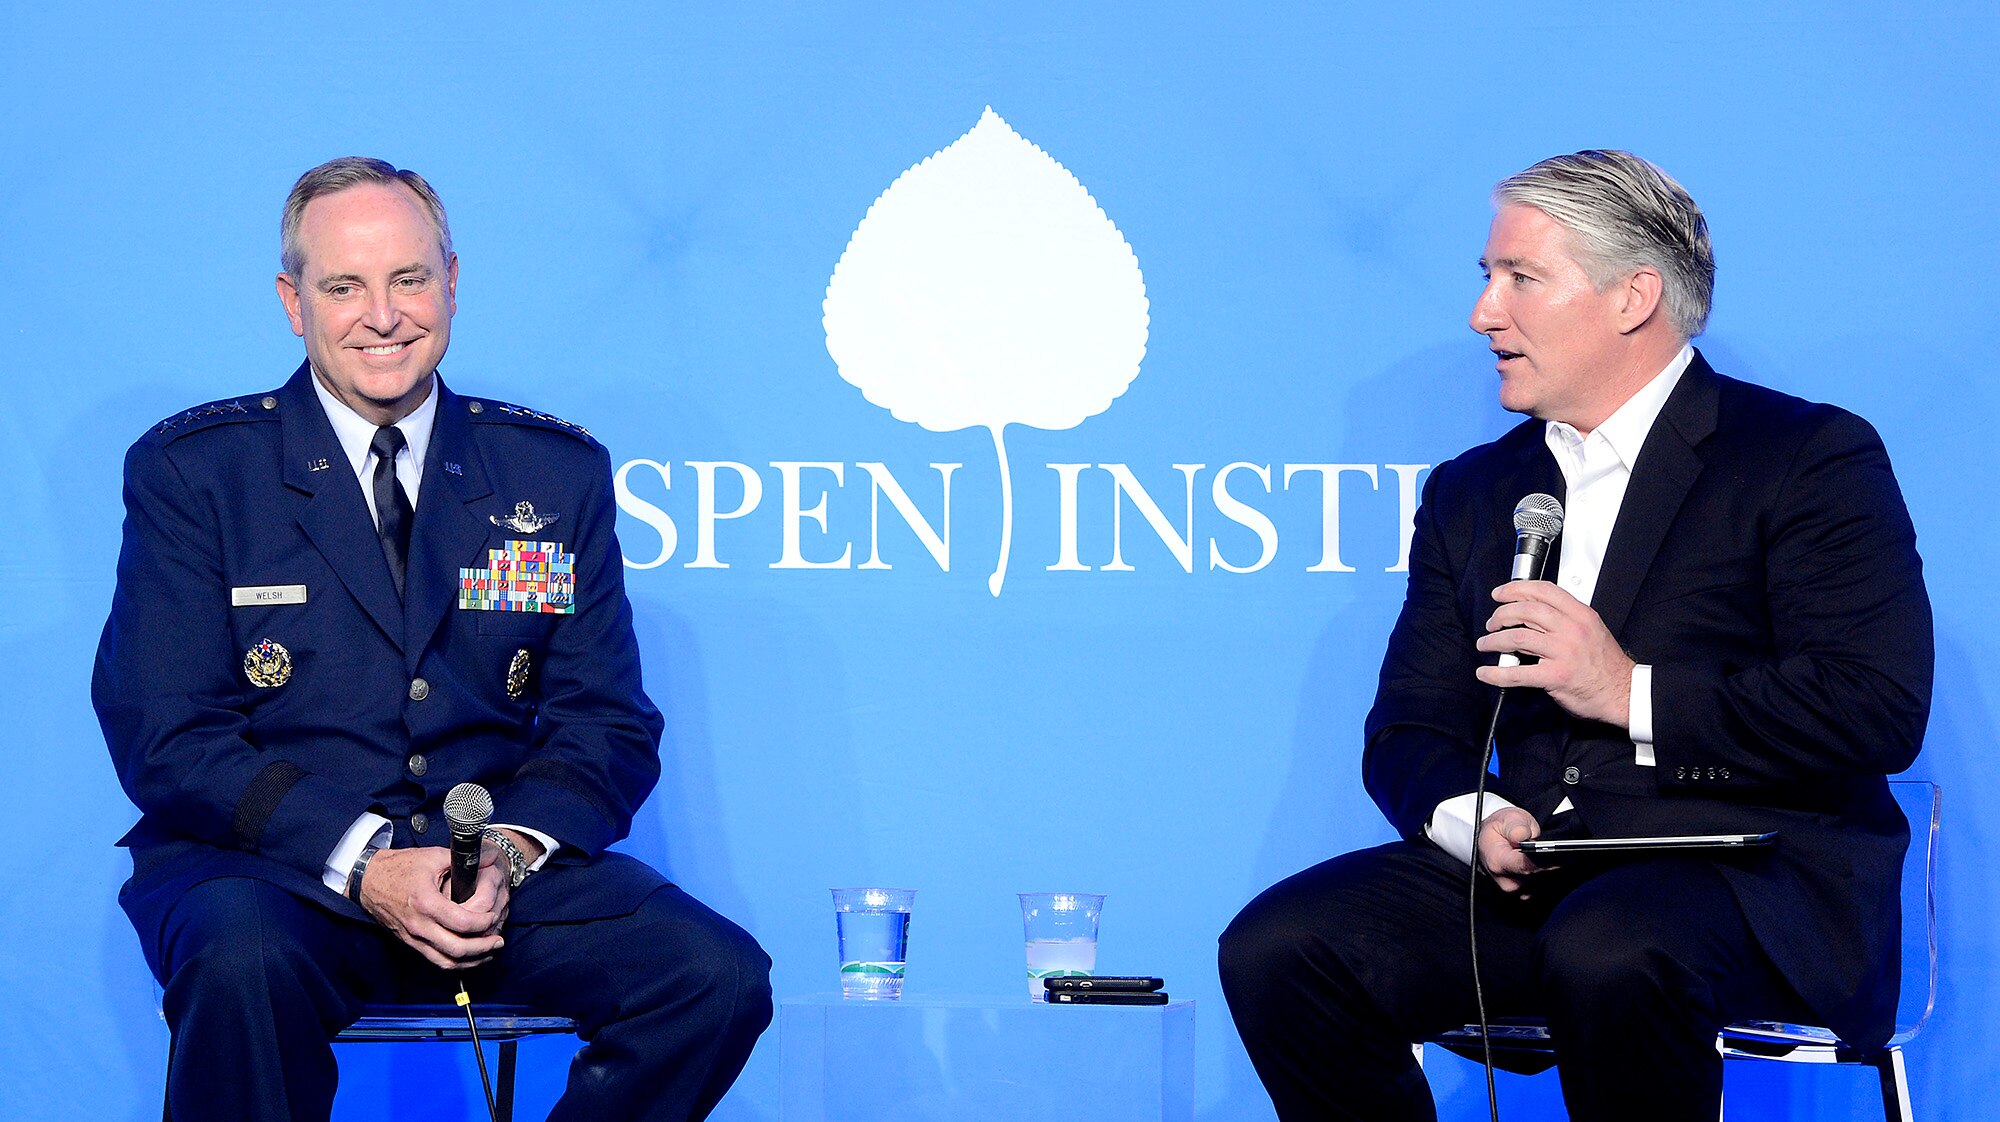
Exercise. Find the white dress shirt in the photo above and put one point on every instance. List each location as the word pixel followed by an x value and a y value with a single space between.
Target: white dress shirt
pixel 356 435
pixel 1596 469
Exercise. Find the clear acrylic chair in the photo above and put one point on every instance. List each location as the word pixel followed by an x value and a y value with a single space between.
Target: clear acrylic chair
pixel 1921 802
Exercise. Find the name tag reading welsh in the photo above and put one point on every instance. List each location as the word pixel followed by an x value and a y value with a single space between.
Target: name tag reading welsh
pixel 524 577
pixel 258 595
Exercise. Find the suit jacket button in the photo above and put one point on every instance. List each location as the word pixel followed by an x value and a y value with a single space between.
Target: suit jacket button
pixel 1572 776
pixel 1680 773
pixel 419 765
pixel 419 689
pixel 419 823
pixel 1725 773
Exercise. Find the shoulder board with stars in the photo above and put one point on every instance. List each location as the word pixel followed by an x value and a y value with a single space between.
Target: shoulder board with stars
pixel 485 410
pixel 256 407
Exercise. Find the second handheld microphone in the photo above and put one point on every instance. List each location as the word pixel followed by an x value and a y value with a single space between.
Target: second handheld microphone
pixel 1538 521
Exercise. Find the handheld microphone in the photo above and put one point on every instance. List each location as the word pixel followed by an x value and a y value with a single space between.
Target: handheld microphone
pixel 1538 521
pixel 467 808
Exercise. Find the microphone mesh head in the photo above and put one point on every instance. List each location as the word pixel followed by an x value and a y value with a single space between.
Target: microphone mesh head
pixel 467 807
pixel 1539 516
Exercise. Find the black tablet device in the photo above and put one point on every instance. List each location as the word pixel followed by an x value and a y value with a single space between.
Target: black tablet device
pixel 1565 847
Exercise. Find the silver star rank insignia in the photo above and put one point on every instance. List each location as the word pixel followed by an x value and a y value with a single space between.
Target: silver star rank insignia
pixel 524 520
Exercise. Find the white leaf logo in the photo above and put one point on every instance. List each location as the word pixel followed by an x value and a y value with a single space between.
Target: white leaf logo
pixel 986 287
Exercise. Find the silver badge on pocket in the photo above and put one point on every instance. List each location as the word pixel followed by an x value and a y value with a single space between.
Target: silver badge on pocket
pixel 268 665
pixel 524 520
pixel 517 675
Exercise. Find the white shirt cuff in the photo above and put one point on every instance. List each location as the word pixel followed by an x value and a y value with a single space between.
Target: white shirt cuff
pixel 369 829
pixel 548 843
pixel 1451 826
pixel 1641 722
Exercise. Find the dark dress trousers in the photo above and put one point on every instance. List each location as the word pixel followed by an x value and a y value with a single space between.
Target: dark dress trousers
pixel 247 781
pixel 1763 563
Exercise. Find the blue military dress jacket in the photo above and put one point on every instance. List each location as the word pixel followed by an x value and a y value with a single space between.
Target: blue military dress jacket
pixel 261 684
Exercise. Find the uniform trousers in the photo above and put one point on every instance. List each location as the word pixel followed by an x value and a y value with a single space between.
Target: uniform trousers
pixel 669 1001
pixel 1333 973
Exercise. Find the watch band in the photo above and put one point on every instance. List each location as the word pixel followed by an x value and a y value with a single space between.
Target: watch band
pixel 355 874
pixel 517 862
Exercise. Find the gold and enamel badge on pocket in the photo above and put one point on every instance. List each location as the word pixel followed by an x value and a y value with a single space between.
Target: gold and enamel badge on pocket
pixel 523 576
pixel 268 664
pixel 517 675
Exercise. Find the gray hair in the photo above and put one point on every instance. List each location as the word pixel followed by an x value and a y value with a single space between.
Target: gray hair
pixel 1625 214
pixel 339 175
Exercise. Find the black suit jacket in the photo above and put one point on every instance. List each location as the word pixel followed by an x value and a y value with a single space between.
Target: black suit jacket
pixel 238 778
pixel 1763 563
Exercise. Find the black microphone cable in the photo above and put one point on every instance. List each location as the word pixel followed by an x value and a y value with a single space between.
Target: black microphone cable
pixel 1472 905
pixel 464 1001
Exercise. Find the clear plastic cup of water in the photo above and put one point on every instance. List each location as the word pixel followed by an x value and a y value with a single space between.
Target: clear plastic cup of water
pixel 874 929
pixel 1061 930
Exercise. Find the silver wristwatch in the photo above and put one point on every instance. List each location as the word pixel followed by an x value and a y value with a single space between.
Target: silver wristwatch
pixel 517 862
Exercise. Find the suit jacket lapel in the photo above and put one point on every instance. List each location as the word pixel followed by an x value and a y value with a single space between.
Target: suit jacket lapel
pixel 446 535
pixel 1524 466
pixel 1539 474
pixel 336 519
pixel 1666 469
pixel 1536 472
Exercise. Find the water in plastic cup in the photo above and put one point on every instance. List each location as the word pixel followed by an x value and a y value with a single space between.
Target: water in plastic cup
pixel 1061 930
pixel 874 929
pixel 1059 958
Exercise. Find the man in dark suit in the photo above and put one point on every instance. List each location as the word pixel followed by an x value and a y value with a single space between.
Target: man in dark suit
pixel 1733 637
pixel 335 602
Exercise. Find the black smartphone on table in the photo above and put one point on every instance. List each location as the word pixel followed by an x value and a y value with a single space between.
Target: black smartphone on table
pixel 1109 983
pixel 1107 997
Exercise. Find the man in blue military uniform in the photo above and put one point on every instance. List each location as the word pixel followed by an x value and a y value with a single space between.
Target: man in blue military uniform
pixel 335 602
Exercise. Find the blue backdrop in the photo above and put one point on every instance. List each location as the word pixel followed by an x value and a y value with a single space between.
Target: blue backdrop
pixel 649 203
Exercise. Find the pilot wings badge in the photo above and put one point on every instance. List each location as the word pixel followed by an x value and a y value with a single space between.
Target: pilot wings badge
pixel 524 520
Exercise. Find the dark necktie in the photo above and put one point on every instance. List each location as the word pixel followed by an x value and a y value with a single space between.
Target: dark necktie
pixel 392 509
